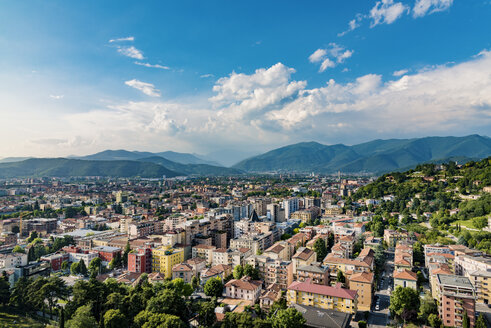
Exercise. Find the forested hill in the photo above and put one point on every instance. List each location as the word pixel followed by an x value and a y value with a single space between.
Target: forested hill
pixel 444 203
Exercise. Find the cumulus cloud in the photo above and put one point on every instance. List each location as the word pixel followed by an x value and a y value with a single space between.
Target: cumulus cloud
pixel 400 72
pixel 268 107
pixel 147 88
pixel 126 39
pixel 424 7
pixel 131 52
pixel 152 65
pixel 331 56
pixel 387 12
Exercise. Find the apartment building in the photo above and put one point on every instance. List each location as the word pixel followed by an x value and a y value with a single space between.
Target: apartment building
pixel 140 260
pixel 254 241
pixel 456 296
pixel 405 278
pixel 362 283
pixel 183 271
pixel 245 289
pixel 12 260
pixel 272 271
pixel 323 297
pixel 164 259
pixel 304 256
pixel 392 237
pixel 231 257
pixel 203 251
pixel 315 272
pixel 280 250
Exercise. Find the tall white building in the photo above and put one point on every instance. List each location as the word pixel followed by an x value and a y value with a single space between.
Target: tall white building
pixel 290 206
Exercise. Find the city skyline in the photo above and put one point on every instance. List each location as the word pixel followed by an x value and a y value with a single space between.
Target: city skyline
pixel 80 78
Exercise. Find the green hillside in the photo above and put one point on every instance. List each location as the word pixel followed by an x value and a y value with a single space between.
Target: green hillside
pixel 376 156
pixel 192 169
pixel 62 167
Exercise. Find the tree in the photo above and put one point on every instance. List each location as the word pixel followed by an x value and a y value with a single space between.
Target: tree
pixel 195 282
pixel 214 287
pixel 251 271
pixel 403 298
pixel 15 229
pixel 428 306
pixel 61 317
pixel 320 248
pixel 238 272
pixel 115 319
pixel 480 222
pixel 83 318
pixel 362 324
pixel 74 268
pixel 18 249
pixel 168 301
pixel 54 289
pixel 340 277
pixel 146 319
pixel 127 250
pixel 237 320
pixel 95 266
pixel 33 236
pixel 181 287
pixel 480 322
pixel 64 265
pixel 289 318
pixel 19 295
pixel 466 323
pixel 82 267
pixel 4 291
pixel 206 314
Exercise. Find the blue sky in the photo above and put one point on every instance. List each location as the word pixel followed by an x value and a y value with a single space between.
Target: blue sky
pixel 204 76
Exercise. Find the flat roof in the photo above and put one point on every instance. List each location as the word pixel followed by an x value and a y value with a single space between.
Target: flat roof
pixel 453 280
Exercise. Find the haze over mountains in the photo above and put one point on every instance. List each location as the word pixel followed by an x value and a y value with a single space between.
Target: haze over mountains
pixel 375 157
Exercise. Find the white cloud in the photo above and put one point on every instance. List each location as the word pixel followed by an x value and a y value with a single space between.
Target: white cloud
pixel 129 38
pixel 387 12
pixel 152 65
pixel 131 52
pixel 423 7
pixel 326 63
pixel 56 97
pixel 265 109
pixel 147 88
pixel 318 55
pixel 242 96
pixel 206 76
pixel 330 57
pixel 400 72
pixel 353 24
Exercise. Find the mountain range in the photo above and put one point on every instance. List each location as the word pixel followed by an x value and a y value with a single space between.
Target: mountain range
pixel 377 156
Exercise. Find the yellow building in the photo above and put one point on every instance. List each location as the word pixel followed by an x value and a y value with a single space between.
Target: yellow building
pixel 482 283
pixel 323 297
pixel 163 259
pixel 363 283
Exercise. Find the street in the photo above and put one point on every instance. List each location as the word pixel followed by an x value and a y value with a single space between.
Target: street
pixel 380 318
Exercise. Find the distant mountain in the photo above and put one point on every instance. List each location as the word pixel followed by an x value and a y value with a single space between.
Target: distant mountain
pixel 13 159
pixel 374 156
pixel 62 167
pixel 192 169
pixel 111 155
pixel 228 157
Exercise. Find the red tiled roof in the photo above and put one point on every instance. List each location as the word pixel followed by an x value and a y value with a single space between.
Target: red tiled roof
pixel 406 275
